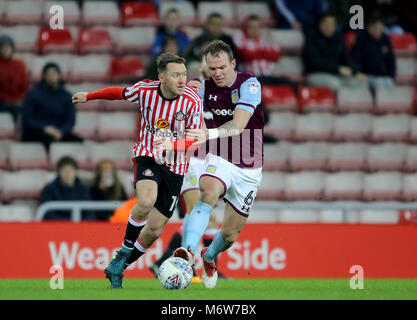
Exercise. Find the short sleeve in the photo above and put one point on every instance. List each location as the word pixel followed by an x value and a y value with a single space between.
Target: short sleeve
pixel 132 93
pixel 250 95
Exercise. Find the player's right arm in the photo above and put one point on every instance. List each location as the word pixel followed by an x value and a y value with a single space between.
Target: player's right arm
pixel 110 93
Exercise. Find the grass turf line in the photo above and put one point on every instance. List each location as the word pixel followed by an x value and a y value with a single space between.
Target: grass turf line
pixel 237 289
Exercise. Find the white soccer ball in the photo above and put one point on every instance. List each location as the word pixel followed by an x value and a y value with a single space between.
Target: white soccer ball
pixel 175 273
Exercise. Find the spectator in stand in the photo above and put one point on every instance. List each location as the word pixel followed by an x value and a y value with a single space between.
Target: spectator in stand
pixel 66 187
pixel 374 55
pixel 170 45
pixel 389 11
pixel 212 31
pixel 170 28
pixel 48 113
pixel 326 59
pixel 299 14
pixel 258 55
pixel 340 8
pixel 106 186
pixel 14 80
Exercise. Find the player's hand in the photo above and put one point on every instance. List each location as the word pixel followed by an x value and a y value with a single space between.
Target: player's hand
pixel 163 143
pixel 199 135
pixel 195 84
pixel 79 97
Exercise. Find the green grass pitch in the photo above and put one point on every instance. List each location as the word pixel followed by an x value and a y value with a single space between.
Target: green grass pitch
pixel 236 289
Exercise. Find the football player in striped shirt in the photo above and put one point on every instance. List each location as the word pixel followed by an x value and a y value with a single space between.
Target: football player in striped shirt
pixel 168 107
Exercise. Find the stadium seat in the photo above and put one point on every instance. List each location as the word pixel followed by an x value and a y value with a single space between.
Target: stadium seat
pixel 126 69
pixel 415 101
pixel 382 186
pixel 23 12
pixel 331 216
pixel 411 158
pixel 308 156
pixel 397 99
pixel 386 156
pixel 314 126
pixel 244 9
pixel 7 126
pixel 139 13
pixel 281 125
pixel 117 126
pixel 279 98
pixel 406 71
pixel 86 125
pixel 92 67
pixel 25 37
pixel 78 151
pixel 304 185
pixel 290 67
pixel 298 216
pixel 72 13
pixel 100 13
pixel 16 213
pixel 27 155
pixel 289 41
pixel 134 40
pixel 225 8
pixel 64 61
pixel 343 186
pixel 185 9
pixel 4 153
pixel 59 40
pixel 352 127
pixel 118 151
pixel 276 156
pixel 410 187
pixel 403 44
pixel 378 216
pixel 316 99
pixel 355 100
pixel 413 129
pixel 348 156
pixel 95 40
pixel 272 186
pixel 23 185
pixel 391 127
pixel 407 217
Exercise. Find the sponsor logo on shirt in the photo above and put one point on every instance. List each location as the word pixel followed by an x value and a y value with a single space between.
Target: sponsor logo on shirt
pixel 223 112
pixel 162 123
pixel 210 168
pixel 147 173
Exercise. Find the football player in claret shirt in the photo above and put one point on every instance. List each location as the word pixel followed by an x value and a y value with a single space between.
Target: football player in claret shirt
pixel 234 162
pixel 168 107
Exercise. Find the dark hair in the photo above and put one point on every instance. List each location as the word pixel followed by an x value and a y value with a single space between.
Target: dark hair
pixel 165 58
pixel 252 17
pixel 49 65
pixel 214 15
pixel 171 10
pixel 375 17
pixel 66 161
pixel 5 39
pixel 326 14
pixel 217 46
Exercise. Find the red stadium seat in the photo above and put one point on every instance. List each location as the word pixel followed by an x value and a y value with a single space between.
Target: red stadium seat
pixel 139 13
pixel 95 41
pixel 316 99
pixel 279 98
pixel 126 69
pixel 404 44
pixel 58 40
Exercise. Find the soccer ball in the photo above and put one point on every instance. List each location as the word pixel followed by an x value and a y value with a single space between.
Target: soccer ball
pixel 175 273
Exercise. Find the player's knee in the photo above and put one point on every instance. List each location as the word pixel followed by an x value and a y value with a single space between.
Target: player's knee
pixel 210 196
pixel 145 205
pixel 154 232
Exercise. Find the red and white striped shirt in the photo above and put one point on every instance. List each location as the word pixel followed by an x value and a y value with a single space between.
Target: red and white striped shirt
pixel 162 116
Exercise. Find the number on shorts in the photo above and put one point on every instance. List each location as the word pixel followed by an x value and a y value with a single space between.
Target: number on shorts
pixel 174 202
pixel 249 198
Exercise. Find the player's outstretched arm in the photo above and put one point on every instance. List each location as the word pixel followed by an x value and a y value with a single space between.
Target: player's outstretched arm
pixel 110 93
pixel 231 128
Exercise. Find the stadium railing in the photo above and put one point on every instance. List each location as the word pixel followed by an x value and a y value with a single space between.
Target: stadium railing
pixel 344 206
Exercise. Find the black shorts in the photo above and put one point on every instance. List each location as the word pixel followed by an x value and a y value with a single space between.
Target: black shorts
pixel 169 183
